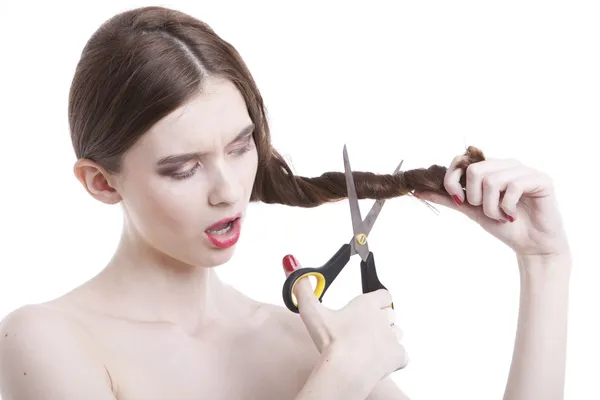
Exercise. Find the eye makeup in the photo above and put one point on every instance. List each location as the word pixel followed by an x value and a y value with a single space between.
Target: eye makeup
pixel 172 166
pixel 176 171
pixel 245 144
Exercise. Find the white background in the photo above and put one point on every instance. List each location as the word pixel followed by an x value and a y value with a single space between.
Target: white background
pixel 417 81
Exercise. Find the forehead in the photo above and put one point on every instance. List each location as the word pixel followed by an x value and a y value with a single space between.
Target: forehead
pixel 208 121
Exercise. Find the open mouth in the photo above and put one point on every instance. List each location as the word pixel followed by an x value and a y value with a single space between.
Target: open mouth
pixel 222 228
pixel 225 233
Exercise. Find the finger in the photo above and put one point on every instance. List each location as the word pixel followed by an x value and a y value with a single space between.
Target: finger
pixel 497 183
pixel 312 312
pixel 478 171
pixel 513 194
pixel 452 180
pixel 380 298
pixel 305 295
pixel 530 183
pixel 401 356
pixel 404 360
pixel 391 315
pixel 492 185
pixel 398 332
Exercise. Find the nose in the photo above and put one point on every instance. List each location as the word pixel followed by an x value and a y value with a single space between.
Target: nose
pixel 225 189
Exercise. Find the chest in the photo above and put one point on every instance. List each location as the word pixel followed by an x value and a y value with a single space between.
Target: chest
pixel 222 364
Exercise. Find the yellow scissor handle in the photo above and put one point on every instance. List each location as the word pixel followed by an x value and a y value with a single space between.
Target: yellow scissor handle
pixel 320 284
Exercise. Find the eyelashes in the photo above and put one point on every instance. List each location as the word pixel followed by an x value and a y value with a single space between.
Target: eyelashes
pixel 237 152
pixel 246 147
pixel 185 174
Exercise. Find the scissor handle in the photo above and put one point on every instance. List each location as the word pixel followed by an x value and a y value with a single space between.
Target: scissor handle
pixel 325 275
pixel 370 280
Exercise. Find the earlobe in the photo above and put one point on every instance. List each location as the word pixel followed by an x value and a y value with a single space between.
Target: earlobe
pixel 96 181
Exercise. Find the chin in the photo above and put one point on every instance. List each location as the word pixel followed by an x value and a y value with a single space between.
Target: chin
pixel 215 257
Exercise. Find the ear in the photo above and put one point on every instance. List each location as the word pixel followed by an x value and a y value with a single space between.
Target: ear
pixel 96 181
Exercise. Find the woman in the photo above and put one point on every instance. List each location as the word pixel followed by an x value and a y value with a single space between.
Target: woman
pixel 167 121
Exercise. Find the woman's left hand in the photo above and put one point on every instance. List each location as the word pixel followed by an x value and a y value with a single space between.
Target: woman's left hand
pixel 513 202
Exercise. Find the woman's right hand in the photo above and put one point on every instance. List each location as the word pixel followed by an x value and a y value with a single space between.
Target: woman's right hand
pixel 364 331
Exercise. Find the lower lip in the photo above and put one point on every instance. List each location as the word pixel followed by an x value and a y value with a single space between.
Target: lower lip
pixel 227 239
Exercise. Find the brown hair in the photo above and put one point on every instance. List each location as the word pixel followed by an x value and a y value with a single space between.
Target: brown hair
pixel 142 64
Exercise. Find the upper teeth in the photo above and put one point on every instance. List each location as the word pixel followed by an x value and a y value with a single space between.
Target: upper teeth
pixel 221 231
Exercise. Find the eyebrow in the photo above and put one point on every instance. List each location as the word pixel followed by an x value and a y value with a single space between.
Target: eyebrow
pixel 247 131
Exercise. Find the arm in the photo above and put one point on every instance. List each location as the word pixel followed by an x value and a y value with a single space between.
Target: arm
pixel 44 356
pixel 538 365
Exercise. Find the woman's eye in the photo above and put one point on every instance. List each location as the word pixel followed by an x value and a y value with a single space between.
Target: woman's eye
pixel 246 146
pixel 186 173
pixel 241 150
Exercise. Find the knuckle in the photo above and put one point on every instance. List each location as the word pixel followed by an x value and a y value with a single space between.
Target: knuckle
pixel 387 296
pixel 448 184
pixel 513 189
pixel 405 362
pixel 356 302
pixel 401 350
pixel 399 333
pixel 512 186
pixel 456 160
pixel 401 357
pixel 391 317
pixel 490 182
pixel 382 295
pixel 368 300
pixel 473 172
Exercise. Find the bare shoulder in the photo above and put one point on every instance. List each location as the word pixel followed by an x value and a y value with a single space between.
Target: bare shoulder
pixel 45 353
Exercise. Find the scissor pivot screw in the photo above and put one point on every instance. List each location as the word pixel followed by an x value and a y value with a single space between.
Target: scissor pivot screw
pixel 361 239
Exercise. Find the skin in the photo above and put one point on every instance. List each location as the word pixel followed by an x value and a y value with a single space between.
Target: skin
pixel 501 190
pixel 157 322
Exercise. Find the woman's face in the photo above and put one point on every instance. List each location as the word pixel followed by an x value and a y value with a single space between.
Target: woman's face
pixel 194 169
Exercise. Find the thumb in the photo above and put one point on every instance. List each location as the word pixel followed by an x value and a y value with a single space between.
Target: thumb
pixel 303 290
pixel 312 312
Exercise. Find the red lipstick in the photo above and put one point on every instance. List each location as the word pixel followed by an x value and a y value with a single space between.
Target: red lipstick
pixel 225 233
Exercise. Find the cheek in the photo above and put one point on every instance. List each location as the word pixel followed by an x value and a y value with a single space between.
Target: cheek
pixel 166 206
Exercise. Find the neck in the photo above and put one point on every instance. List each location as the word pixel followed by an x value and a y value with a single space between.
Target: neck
pixel 148 286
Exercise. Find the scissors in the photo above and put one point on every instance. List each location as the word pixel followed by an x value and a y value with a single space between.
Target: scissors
pixel 327 273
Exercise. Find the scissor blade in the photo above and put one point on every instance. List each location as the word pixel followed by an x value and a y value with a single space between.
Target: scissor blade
pixel 398 168
pixel 352 197
pixel 376 209
pixel 374 213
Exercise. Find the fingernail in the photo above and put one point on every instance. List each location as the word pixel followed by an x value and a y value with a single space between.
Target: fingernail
pixel 511 219
pixel 289 263
pixel 456 199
